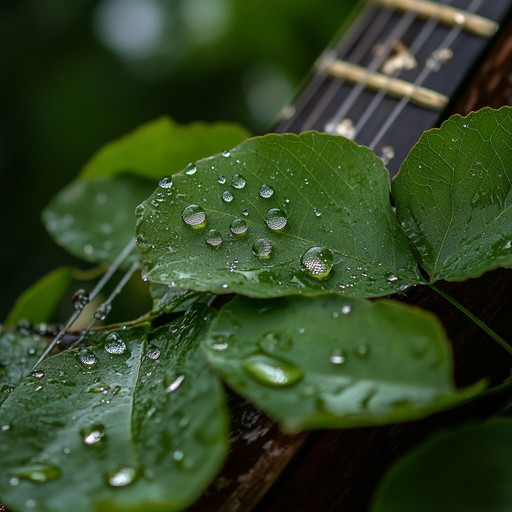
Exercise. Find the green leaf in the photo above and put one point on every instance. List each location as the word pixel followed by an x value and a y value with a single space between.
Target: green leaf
pixel 278 215
pixel 94 219
pixel 468 468
pixel 128 426
pixel 19 352
pixel 162 147
pixel 38 303
pixel 334 362
pixel 454 197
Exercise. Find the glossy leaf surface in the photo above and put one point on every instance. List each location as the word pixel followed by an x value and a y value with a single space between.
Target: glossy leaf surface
pixel 278 215
pixel 162 147
pixel 94 219
pixel 468 468
pixel 454 195
pixel 331 362
pixel 128 426
pixel 38 303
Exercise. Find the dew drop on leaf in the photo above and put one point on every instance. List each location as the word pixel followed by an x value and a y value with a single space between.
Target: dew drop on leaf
pixel 262 248
pixel 122 477
pixel 238 227
pixel 276 219
pixel 153 352
pixel 221 180
pixel 362 351
pixel 245 213
pixel 214 238
pixel 115 345
pixel 37 472
pixel 275 342
pixel 266 191
pixel 38 374
pixel 103 311
pixel 93 434
pixel 80 299
pixel 317 262
pixel 227 196
pixel 226 154
pixel 172 384
pixel 238 181
pixel 99 388
pixel 337 358
pixel 346 309
pixel 272 371
pixel 194 216
pixel 165 183
pixel 190 169
pixel 87 357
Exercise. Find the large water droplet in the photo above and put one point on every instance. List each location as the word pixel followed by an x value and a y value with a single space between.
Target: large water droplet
pixel 115 345
pixel 122 477
pixel 214 238
pixel 165 183
pixel 238 181
pixel 238 227
pixel 152 352
pixel 221 180
pixel 80 299
pixel 93 434
pixel 276 219
pixel 194 216
pixel 38 472
pixel 317 262
pixel 190 169
pixel 87 357
pixel 173 383
pixel 271 371
pixel 262 248
pixel 266 191
pixel 227 196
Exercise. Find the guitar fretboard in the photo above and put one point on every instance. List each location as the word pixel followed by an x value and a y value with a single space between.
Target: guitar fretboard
pixel 385 94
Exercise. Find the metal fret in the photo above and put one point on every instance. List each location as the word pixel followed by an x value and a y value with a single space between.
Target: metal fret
pixel 391 86
pixel 445 14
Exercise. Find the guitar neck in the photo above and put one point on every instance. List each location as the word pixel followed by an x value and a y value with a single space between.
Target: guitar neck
pixel 396 73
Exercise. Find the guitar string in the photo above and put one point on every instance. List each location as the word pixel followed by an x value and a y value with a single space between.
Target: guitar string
pixel 446 43
pixel 124 254
pixel 370 36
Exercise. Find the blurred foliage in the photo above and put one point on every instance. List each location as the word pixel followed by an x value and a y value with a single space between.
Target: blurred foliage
pixel 78 74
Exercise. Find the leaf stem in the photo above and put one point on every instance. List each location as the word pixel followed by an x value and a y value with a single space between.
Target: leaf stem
pixel 496 337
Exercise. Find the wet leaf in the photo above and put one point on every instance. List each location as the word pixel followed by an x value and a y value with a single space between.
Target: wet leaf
pixel 131 425
pixel 18 354
pixel 278 215
pixel 162 147
pixel 468 468
pixel 94 219
pixel 454 196
pixel 334 362
pixel 38 303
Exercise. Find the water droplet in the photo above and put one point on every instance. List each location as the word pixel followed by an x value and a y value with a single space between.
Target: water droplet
pixel 14 481
pixel 122 477
pixel 221 180
pixel 80 299
pixel 226 154
pixel 276 342
pixel 190 169
pixel 362 351
pixel 88 249
pixel 266 191
pixel 238 181
pixel 172 384
pixel 262 248
pixel 238 227
pixel 38 472
pixel 178 455
pixel 152 352
pixel 214 238
pixel 276 219
pixel 219 342
pixel 392 278
pixel 38 374
pixel 317 213
pixel 245 213
pixel 271 371
pixel 87 357
pixel 346 309
pixel 6 427
pixel 317 262
pixel 115 345
pixel 103 311
pixel 227 196
pixel 337 358
pixel 165 183
pixel 93 434
pixel 194 216
pixel 99 388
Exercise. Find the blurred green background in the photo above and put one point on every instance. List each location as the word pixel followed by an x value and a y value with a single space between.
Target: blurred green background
pixel 79 73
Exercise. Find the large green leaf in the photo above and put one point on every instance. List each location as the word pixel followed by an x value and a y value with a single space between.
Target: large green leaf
pixel 454 195
pixel 468 468
pixel 278 215
pixel 38 303
pixel 94 219
pixel 128 426
pixel 19 352
pixel 333 362
pixel 162 147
